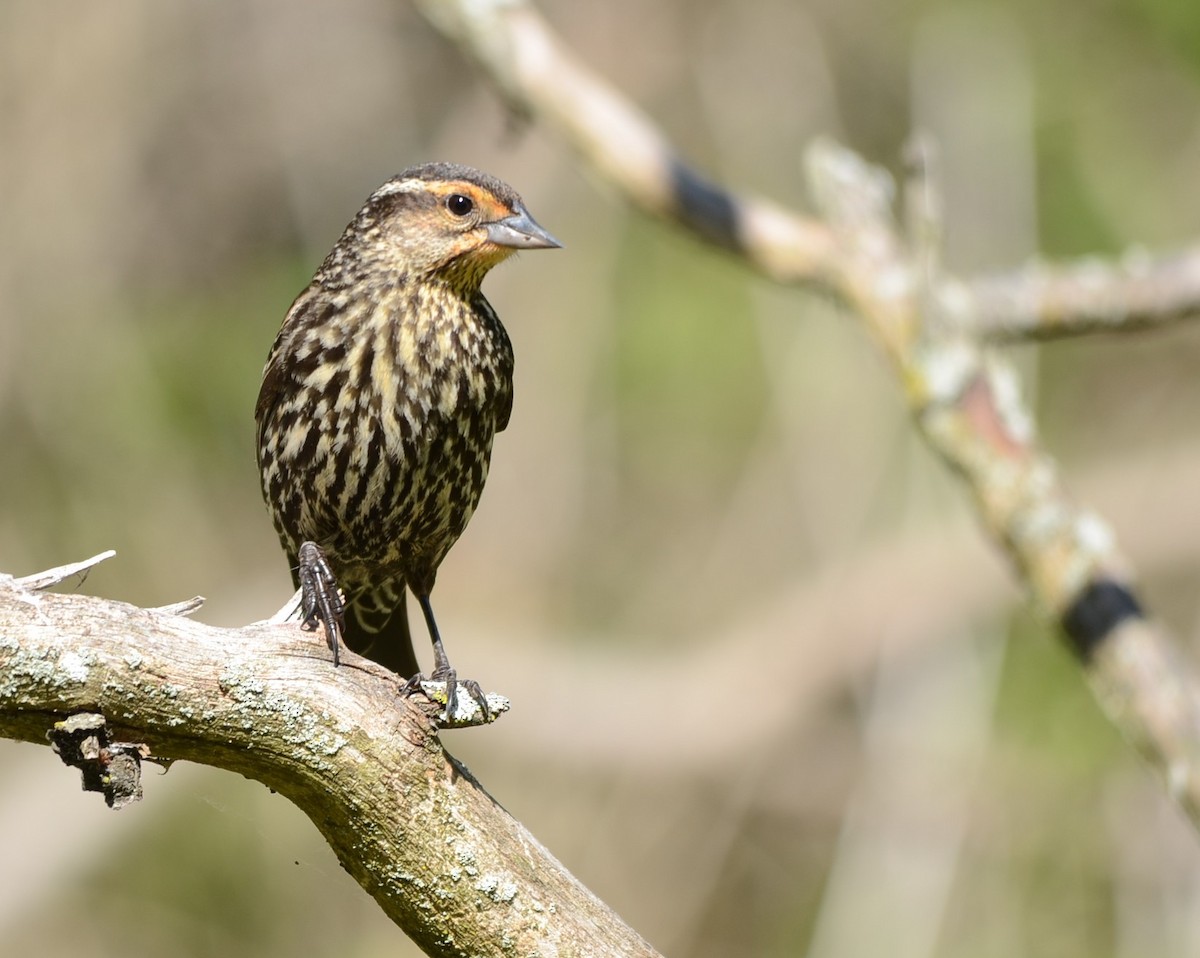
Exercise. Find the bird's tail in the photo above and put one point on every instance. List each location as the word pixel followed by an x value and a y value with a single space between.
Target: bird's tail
pixel 377 627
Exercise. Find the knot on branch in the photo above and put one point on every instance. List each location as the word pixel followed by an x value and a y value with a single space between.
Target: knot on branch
pixel 113 768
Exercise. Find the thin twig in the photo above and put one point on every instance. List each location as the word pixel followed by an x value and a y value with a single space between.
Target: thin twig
pixel 184 607
pixel 1044 301
pixel 52 577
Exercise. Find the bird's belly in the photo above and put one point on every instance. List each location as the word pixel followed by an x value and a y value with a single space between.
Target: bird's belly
pixel 396 500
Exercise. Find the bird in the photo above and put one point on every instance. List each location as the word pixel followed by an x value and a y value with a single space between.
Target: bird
pixel 380 398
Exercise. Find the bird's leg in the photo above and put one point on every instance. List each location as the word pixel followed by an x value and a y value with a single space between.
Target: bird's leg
pixel 444 672
pixel 320 600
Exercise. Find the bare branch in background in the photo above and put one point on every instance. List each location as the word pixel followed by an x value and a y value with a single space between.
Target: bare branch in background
pixel 1044 301
pixel 964 397
pixel 541 77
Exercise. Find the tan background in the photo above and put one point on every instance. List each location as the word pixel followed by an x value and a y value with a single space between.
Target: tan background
pixel 708 493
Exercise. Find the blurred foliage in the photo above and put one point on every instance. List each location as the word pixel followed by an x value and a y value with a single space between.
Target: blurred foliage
pixel 692 453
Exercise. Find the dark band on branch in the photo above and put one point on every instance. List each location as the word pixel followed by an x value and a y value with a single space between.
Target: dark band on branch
pixel 703 206
pixel 1098 610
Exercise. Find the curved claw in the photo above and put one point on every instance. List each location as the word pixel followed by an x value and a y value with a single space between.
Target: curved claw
pixel 320 600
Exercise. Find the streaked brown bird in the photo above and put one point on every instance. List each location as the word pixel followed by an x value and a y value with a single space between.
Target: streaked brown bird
pixel 379 401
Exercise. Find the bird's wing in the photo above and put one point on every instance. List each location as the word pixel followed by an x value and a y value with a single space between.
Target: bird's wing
pixel 280 373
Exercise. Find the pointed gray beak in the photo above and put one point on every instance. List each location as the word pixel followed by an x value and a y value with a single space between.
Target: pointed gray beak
pixel 520 231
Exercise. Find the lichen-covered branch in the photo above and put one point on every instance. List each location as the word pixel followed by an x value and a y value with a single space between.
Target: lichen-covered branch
pixel 967 403
pixel 937 331
pixel 441 857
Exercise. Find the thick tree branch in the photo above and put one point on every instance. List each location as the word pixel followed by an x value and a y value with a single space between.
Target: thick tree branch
pixel 964 397
pixel 412 826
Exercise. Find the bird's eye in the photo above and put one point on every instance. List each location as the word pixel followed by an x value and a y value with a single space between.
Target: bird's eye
pixel 459 205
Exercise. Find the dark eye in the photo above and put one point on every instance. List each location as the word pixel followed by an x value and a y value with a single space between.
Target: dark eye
pixel 459 205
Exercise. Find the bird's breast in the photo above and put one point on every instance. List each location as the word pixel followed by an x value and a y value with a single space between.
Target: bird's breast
pixel 435 366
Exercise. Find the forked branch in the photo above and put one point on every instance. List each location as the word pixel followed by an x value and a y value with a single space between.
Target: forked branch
pixel 939 332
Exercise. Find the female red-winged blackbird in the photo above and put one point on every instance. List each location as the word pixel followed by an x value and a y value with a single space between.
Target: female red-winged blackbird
pixel 379 401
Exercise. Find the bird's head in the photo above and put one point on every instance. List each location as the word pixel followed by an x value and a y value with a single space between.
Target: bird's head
pixel 442 219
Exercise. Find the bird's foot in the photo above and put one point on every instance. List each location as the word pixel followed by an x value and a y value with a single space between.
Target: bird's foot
pixel 450 677
pixel 464 700
pixel 321 602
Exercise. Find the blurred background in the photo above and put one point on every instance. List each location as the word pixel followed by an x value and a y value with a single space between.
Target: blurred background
pixel 709 491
